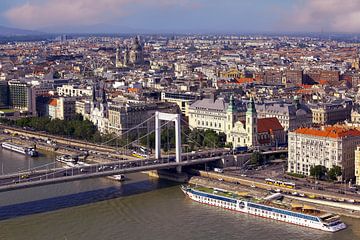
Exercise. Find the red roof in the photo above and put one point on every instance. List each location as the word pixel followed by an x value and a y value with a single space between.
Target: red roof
pixel 245 80
pixel 269 124
pixel 53 102
pixel 330 132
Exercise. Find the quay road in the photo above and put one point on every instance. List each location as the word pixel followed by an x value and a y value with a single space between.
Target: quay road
pixel 57 139
pixel 251 182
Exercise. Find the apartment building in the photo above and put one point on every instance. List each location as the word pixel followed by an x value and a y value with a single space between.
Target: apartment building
pixel 327 146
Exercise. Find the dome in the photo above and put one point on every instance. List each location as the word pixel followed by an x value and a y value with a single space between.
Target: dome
pixel 300 112
pixel 136 45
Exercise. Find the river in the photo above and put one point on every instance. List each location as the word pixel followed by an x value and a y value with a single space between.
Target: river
pixel 140 208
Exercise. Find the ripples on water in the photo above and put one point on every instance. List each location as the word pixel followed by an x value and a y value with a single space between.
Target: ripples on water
pixel 137 209
pixel 161 214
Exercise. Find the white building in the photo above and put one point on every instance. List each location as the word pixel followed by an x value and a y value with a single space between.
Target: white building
pixel 74 91
pixel 212 114
pixel 328 146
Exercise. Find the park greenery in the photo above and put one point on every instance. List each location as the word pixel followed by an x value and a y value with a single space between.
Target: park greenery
pixel 321 172
pixel 81 129
pixel 191 139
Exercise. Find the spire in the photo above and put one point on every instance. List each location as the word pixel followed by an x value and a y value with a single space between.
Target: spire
pixel 103 94
pixel 231 106
pixel 251 106
pixel 93 93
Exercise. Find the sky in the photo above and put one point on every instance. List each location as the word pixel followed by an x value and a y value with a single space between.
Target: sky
pixel 171 16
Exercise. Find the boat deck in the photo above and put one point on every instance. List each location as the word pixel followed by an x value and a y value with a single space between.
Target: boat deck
pixel 284 204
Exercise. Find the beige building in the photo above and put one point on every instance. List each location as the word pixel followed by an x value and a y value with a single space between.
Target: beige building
pixel 240 123
pixel 212 114
pixel 62 108
pixel 254 131
pixel 328 146
pixel 183 100
pixel 357 165
pixel 125 116
pixel 331 113
pixel 74 91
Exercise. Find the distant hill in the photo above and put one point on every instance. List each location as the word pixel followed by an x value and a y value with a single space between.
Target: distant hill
pixel 6 31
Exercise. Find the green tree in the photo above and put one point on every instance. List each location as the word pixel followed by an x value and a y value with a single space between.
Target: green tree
pixel 334 173
pixel 256 158
pixel 318 171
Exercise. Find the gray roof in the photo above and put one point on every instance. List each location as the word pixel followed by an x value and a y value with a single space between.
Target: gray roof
pixel 219 104
pixel 283 109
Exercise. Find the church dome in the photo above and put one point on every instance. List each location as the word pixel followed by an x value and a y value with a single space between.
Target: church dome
pixel 136 45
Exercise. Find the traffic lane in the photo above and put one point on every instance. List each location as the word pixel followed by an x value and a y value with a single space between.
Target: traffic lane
pixel 77 171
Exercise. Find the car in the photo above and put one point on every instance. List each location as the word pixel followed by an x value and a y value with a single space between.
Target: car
pixel 24 176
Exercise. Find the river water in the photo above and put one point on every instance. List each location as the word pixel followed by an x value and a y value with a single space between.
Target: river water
pixel 140 208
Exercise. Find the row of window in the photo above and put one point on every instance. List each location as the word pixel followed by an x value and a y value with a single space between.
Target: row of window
pixel 207 124
pixel 284 212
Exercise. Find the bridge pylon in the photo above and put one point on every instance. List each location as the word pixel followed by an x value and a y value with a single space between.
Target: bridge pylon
pixel 168 117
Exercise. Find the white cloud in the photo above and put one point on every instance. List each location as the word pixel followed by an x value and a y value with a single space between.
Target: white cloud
pixel 328 15
pixel 52 13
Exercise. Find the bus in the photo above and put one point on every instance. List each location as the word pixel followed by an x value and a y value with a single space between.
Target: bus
pixel 139 155
pixel 280 183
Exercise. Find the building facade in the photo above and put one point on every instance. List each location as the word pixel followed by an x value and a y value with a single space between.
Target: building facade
pixel 74 91
pixel 328 146
pixel 213 114
pixel 357 165
pixel 291 116
pixel 331 113
pixel 183 100
pixel 126 116
pixel 22 96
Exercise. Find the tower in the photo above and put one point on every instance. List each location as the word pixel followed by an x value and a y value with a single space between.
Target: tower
pixel 118 58
pixel 230 116
pixel 136 53
pixel 251 124
pixel 126 58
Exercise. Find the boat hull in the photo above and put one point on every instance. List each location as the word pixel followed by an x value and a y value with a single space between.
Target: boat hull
pixel 263 214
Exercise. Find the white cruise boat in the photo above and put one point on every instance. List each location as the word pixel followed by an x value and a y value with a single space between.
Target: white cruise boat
pixel 118 177
pixel 30 151
pixel 271 207
pixel 67 159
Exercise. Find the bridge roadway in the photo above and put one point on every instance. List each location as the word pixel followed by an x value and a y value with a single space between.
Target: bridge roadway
pixel 58 175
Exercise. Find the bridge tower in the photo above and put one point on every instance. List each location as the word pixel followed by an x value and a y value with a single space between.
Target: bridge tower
pixel 168 117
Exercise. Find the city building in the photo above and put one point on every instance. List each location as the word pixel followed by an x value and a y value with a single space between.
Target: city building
pixel 290 115
pixel 136 55
pixel 22 96
pixel 62 108
pixel 331 113
pixel 254 131
pixel 99 111
pixel 327 146
pixel 73 91
pixel 4 94
pixel 125 116
pixel 357 165
pixel 183 100
pixel 213 114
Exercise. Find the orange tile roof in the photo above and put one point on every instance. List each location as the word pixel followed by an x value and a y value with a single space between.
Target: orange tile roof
pixel 330 132
pixel 133 90
pixel 53 102
pixel 269 125
pixel 245 80
pixel 323 82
